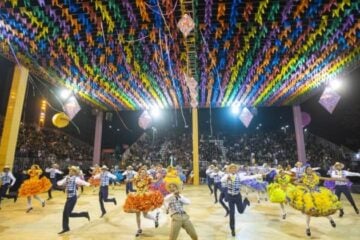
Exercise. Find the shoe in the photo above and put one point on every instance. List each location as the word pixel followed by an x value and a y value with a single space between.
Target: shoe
pixel 308 232
pixel 29 209
pixel 215 202
pixel 49 198
pixel 233 233
pixel 43 204
pixel 102 214
pixel 258 200
pixel 115 202
pixel 227 214
pixel 87 216
pixel 157 220
pixel 15 198
pixel 333 224
pixel 266 199
pixel 138 233
pixel 341 214
pixel 284 216
pixel 357 211
pixel 64 231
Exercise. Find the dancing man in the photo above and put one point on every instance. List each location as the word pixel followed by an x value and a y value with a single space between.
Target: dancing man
pixel 174 203
pixel 129 178
pixel 216 175
pixel 209 178
pixel 53 171
pixel 70 182
pixel 233 180
pixel 342 186
pixel 104 177
pixel 7 181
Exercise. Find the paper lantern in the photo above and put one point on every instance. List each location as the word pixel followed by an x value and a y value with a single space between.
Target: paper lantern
pixel 60 120
pixel 145 120
pixel 306 119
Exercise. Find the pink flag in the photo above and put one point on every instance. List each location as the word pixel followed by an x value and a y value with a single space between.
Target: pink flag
pixel 329 99
pixel 246 116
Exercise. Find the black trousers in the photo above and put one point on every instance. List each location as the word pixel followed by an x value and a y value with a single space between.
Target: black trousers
pixel 68 212
pixel 217 186
pixel 210 183
pixel 103 197
pixel 129 187
pixel 345 190
pixel 3 191
pixel 235 200
pixel 223 195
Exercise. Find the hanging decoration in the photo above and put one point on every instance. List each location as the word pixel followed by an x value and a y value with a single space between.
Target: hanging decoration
pixel 129 55
pixel 60 120
pixel 145 120
pixel 329 99
pixel 246 116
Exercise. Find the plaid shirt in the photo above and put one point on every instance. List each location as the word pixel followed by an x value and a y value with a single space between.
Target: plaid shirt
pixel 71 182
pixel 105 178
pixel 234 183
pixel 217 176
pixel 7 177
pixel 175 204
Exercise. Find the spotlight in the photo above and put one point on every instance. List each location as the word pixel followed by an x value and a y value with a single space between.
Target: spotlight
pixel 235 109
pixel 155 112
pixel 357 156
pixel 65 93
pixel 335 84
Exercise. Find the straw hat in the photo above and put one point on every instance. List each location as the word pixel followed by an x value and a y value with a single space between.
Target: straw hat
pixel 172 178
pixel 104 167
pixel 55 165
pixel 339 164
pixel 75 169
pixel 232 166
pixel 298 164
pixel 6 167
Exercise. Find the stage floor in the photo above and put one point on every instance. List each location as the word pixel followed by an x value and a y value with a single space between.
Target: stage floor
pixel 260 221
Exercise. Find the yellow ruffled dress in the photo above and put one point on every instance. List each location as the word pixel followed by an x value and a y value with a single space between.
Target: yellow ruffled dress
pixel 313 200
pixel 143 200
pixel 277 191
pixel 34 185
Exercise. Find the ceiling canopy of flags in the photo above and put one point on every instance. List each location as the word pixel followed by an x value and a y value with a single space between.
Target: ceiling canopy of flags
pixel 138 54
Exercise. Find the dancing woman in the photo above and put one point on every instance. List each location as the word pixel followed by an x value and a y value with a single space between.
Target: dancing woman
pixel 312 200
pixel 34 186
pixel 343 186
pixel 143 200
pixel 278 189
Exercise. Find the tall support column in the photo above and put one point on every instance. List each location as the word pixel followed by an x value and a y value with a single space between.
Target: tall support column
pixel 98 137
pixel 13 116
pixel 299 133
pixel 195 138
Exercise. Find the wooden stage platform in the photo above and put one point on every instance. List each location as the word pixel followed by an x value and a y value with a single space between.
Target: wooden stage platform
pixel 260 221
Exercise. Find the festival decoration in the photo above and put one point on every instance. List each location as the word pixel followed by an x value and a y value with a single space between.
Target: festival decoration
pixel 186 24
pixel 60 120
pixel 119 55
pixel 246 117
pixel 329 99
pixel 145 120
pixel 71 107
pixel 306 119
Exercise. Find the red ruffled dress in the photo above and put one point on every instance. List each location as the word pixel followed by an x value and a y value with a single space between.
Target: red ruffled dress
pixel 34 185
pixel 143 200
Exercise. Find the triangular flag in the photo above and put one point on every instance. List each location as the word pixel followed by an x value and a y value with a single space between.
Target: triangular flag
pixel 186 24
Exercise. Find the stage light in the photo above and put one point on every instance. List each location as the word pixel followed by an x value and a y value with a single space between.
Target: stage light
pixel 357 156
pixel 235 109
pixel 65 93
pixel 335 84
pixel 155 112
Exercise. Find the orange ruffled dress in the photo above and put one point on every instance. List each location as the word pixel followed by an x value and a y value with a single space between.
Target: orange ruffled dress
pixel 143 200
pixel 95 182
pixel 34 185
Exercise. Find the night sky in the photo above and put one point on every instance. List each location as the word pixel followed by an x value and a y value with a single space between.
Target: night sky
pixel 342 127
